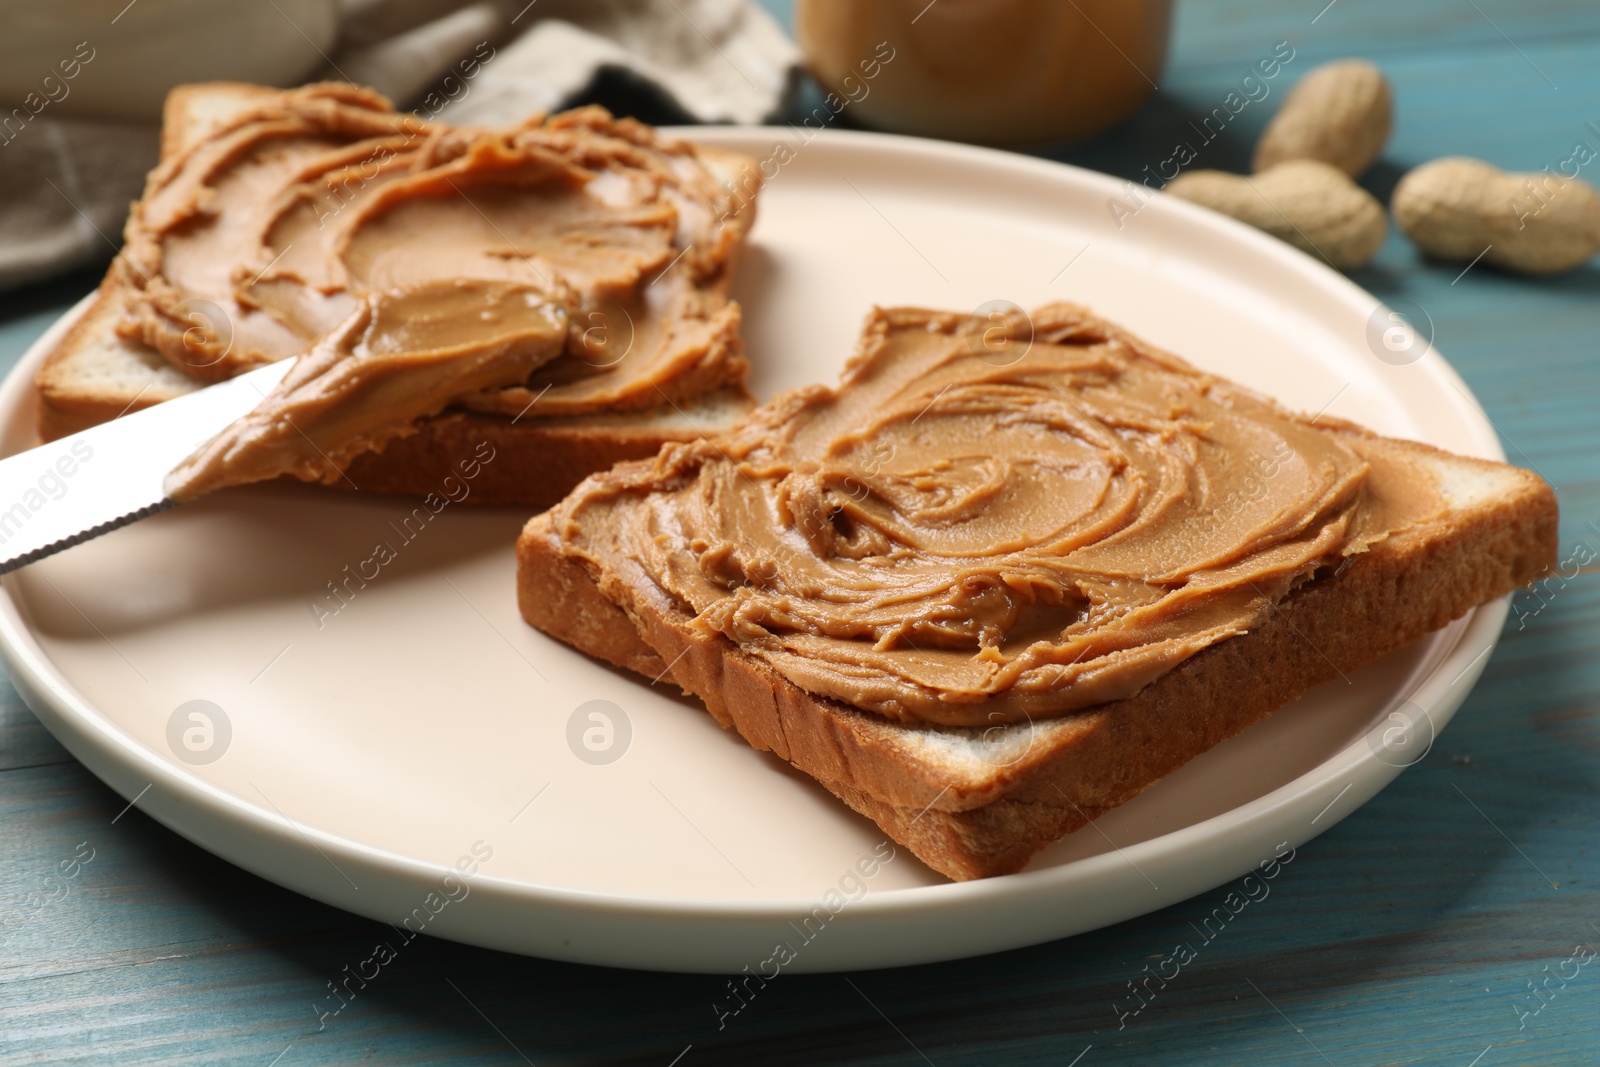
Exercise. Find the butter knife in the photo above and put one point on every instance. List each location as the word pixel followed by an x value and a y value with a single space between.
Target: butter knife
pixel 79 487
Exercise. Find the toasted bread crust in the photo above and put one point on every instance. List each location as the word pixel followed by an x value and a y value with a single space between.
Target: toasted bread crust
pixel 182 121
pixel 534 464
pixel 1083 764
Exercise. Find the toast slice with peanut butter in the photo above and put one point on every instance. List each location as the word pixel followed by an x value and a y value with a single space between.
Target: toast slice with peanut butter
pixel 985 594
pixel 277 218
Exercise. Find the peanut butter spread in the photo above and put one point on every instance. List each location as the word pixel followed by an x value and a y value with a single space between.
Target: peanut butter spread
pixel 262 238
pixel 402 354
pixel 980 526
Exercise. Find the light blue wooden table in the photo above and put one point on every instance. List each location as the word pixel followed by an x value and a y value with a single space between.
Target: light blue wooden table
pixel 1411 933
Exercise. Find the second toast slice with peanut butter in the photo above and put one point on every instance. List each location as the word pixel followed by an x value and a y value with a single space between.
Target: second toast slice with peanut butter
pixel 985 596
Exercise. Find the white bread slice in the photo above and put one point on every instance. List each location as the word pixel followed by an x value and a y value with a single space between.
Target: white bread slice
pixel 95 375
pixel 978 801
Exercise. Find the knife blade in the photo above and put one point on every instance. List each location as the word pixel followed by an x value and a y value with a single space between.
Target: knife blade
pixel 70 490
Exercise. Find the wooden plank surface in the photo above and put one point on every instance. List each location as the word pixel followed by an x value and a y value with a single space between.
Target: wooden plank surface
pixel 1408 934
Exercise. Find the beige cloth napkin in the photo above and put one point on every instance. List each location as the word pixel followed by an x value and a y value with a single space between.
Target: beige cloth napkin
pixel 66 184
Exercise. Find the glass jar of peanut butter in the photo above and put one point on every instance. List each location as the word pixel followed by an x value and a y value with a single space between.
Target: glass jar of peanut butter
pixel 990 71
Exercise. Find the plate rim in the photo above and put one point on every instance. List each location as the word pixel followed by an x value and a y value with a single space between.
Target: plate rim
pixel 115 757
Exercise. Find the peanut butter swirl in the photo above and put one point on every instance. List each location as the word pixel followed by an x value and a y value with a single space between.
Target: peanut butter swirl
pixel 976 529
pixel 261 238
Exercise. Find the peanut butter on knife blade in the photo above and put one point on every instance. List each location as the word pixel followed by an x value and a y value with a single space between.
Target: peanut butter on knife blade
pixel 403 354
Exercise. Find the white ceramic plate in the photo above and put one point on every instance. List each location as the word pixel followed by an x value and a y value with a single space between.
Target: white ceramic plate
pixel 424 722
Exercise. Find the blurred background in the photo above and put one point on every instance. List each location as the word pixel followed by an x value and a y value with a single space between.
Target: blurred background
pixel 82 81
